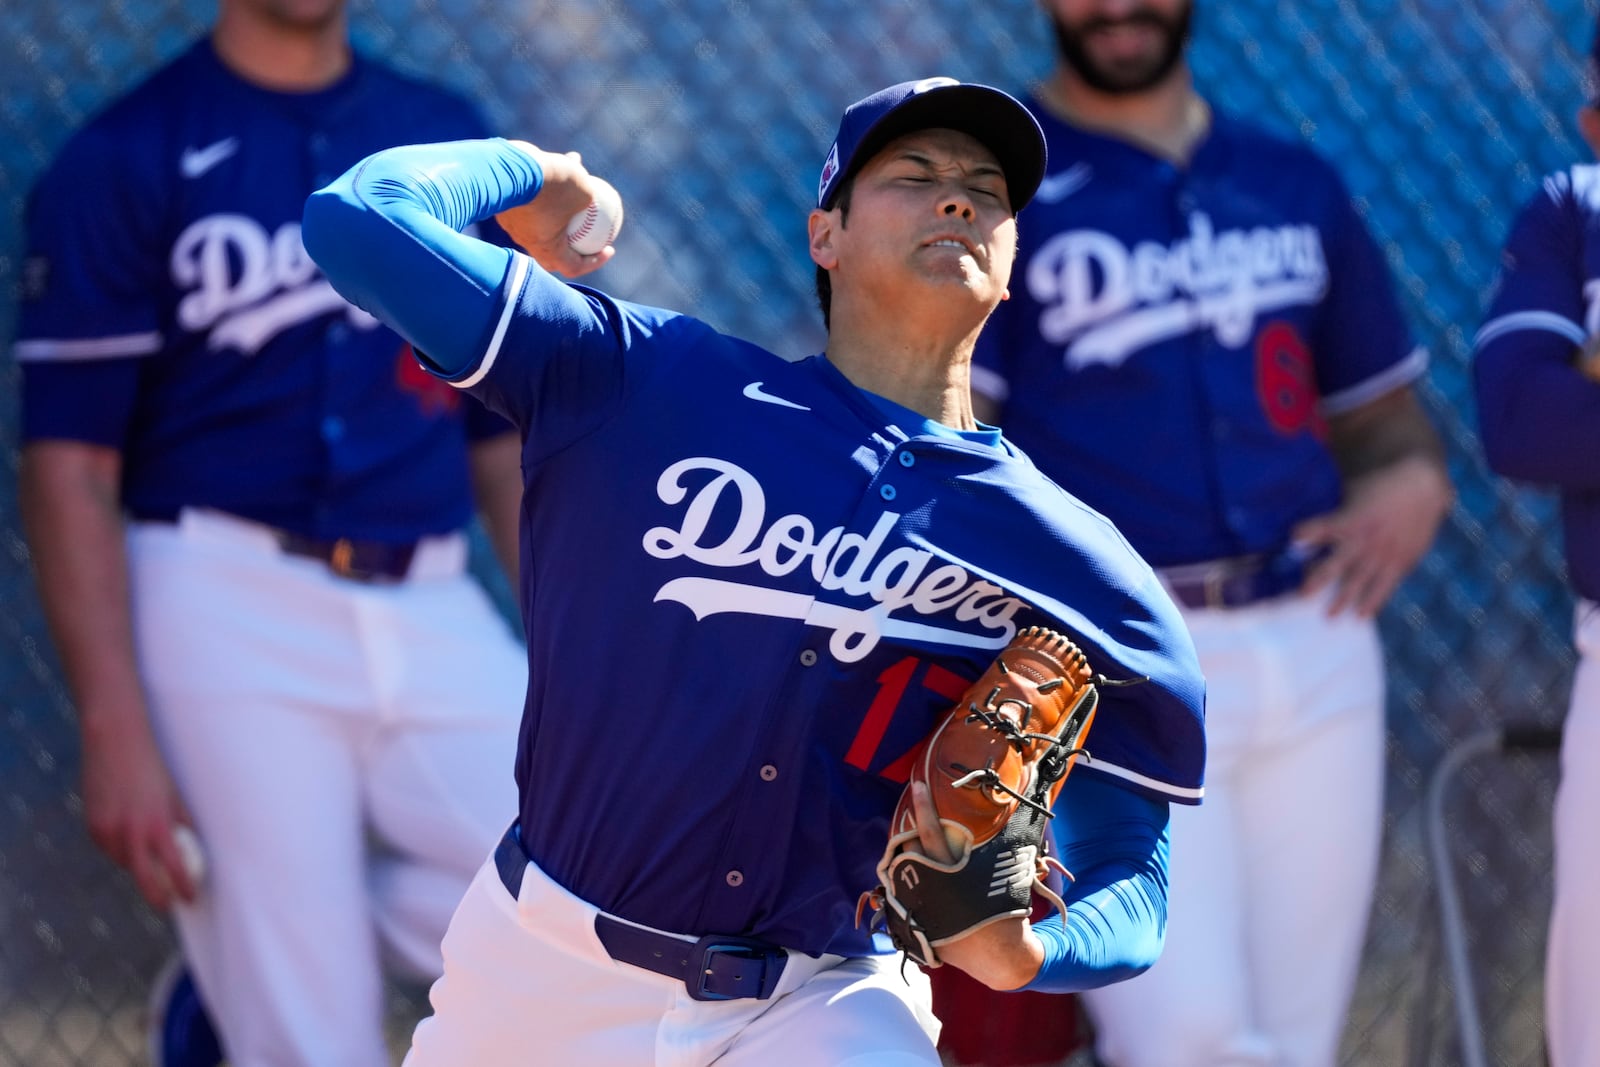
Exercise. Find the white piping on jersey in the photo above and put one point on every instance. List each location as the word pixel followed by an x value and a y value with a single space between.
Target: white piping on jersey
pixel 1530 320
pixel 125 344
pixel 1393 377
pixel 1585 179
pixel 650 929
pixel 1139 779
pixel 519 278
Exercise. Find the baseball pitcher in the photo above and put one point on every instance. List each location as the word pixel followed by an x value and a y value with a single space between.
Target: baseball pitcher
pixel 763 597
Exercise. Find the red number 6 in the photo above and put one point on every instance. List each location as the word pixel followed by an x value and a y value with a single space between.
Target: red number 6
pixel 1285 381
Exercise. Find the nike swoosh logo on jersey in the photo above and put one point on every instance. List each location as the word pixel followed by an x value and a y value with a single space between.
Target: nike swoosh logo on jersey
pixel 1057 187
pixel 755 392
pixel 196 161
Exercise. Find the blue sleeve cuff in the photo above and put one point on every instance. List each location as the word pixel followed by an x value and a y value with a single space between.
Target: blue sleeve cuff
pixel 1115 843
pixel 388 237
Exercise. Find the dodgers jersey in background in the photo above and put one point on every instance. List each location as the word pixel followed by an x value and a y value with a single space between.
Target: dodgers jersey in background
pixel 1176 336
pixel 170 311
pixel 1535 413
pixel 750 589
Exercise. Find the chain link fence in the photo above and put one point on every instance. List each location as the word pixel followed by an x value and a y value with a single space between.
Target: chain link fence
pixel 711 117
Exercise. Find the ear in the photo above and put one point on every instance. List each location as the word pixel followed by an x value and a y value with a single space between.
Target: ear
pixel 820 229
pixel 1589 126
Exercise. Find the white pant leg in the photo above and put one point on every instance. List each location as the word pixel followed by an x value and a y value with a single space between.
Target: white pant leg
pixel 1572 962
pixel 299 713
pixel 526 981
pixel 523 988
pixel 1310 875
pixel 253 677
pixel 437 773
pixel 1285 840
pixel 1193 1006
pixel 859 1013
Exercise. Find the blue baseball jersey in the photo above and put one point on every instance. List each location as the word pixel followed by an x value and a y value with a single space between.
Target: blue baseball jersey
pixel 1176 336
pixel 1535 409
pixel 750 589
pixel 170 311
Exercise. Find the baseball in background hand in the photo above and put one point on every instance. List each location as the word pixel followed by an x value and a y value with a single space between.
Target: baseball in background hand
pixel 194 858
pixel 597 225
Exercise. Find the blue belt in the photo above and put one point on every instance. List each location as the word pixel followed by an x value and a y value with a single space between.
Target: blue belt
pixel 714 967
pixel 1240 580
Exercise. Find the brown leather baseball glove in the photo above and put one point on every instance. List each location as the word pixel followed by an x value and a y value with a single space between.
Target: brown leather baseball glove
pixel 993 767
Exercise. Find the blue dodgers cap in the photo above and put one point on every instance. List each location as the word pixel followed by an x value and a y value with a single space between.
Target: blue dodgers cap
pixel 995 118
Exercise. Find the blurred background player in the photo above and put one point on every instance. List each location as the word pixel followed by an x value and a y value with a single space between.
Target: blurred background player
pixel 245 506
pixel 1537 372
pixel 791 632
pixel 1202 343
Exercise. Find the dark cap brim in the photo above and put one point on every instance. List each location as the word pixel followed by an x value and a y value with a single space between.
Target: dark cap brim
pixel 993 118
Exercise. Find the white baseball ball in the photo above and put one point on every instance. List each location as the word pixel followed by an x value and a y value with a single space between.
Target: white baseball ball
pixel 188 846
pixel 597 225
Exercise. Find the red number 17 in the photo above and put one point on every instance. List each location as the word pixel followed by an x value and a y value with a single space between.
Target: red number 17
pixel 892 686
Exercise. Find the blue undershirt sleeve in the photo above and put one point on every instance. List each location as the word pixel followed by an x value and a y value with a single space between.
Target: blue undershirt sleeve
pixel 1114 841
pixel 387 236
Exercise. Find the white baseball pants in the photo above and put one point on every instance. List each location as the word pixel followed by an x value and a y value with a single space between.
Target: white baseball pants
pixel 1272 876
pixel 1572 960
pixel 346 753
pixel 527 981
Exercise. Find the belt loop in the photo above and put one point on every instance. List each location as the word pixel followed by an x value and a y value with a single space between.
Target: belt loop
pixel 1213 587
pixel 510 861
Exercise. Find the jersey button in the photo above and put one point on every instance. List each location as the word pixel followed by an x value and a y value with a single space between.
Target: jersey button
pixel 769 773
pixel 808 658
pixel 332 428
pixel 338 333
pixel 907 459
pixel 736 878
pixel 886 491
